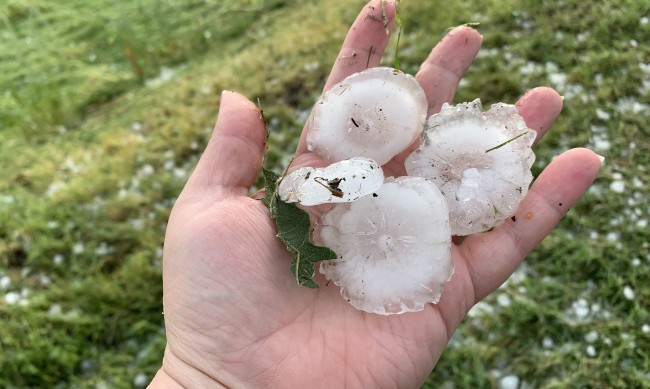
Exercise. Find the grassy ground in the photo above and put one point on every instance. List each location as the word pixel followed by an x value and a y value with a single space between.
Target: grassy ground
pixel 105 107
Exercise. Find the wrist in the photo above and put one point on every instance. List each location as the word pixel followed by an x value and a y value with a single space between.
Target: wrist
pixel 176 374
pixel 164 380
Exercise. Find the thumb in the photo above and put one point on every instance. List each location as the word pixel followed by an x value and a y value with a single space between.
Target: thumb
pixel 234 153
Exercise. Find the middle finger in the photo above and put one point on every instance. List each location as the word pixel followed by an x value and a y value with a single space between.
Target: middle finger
pixel 441 72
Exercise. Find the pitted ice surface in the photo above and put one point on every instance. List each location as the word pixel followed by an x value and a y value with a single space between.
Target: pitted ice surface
pixel 341 182
pixel 394 247
pixel 376 114
pixel 479 160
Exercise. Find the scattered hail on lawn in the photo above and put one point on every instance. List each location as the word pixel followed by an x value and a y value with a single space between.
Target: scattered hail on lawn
pixel 394 247
pixel 375 114
pixel 479 160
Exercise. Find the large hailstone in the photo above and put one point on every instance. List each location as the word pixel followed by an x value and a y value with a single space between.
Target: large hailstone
pixel 479 160
pixel 394 247
pixel 376 114
pixel 340 182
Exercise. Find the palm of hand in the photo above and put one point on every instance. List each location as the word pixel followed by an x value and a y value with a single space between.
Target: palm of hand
pixel 244 311
pixel 234 314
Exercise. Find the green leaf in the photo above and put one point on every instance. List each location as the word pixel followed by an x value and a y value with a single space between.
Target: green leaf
pixel 270 183
pixel 294 231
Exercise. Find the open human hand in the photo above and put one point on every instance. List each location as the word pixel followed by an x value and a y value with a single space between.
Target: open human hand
pixel 234 315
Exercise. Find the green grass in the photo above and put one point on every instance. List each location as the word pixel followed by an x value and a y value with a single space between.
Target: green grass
pixel 105 108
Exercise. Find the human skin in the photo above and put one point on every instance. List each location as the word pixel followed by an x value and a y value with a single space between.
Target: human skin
pixel 234 315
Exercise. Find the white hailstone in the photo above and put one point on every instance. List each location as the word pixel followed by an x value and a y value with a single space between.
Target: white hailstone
pixel 617 186
pixel 141 380
pixel 12 298
pixel 504 300
pixel 376 114
pixel 5 282
pixel 479 160
pixel 591 336
pixel 548 342
pixel 602 115
pixel 595 307
pixel 78 248
pixel 57 259
pixel 580 308
pixel 340 182
pixel 509 382
pixel 394 247
pixel 55 310
pixel 628 292
pixel 103 249
pixel 591 351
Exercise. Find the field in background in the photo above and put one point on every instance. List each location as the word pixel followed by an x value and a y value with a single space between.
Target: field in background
pixel 106 106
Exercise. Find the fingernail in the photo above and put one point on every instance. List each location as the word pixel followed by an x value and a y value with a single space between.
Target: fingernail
pixel 602 159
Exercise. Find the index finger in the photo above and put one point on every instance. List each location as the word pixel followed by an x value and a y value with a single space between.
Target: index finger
pixel 363 47
pixel 366 41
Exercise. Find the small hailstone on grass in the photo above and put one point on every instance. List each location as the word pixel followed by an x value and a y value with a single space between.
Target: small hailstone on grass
pixel 591 337
pixel 12 298
pixel 628 292
pixel 55 310
pixel 617 186
pixel 509 382
pixel 340 182
pixel 591 351
pixel 394 247
pixel 547 342
pixel 57 259
pixel 5 282
pixel 503 300
pixel 580 308
pixel 140 380
pixel 376 113
pixel 480 161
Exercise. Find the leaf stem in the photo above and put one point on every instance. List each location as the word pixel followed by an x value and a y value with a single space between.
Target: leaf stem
pixel 506 142
pixel 398 19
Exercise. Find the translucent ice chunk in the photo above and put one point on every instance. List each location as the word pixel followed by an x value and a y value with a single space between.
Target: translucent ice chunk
pixel 479 160
pixel 394 247
pixel 340 182
pixel 376 114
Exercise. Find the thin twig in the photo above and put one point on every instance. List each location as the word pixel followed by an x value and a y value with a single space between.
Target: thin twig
pixel 369 54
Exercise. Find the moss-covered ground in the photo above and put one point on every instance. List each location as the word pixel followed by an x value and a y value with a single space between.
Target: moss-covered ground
pixel 105 107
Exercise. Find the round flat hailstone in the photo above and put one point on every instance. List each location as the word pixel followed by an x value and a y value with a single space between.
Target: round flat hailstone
pixel 479 160
pixel 340 182
pixel 376 113
pixel 394 247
